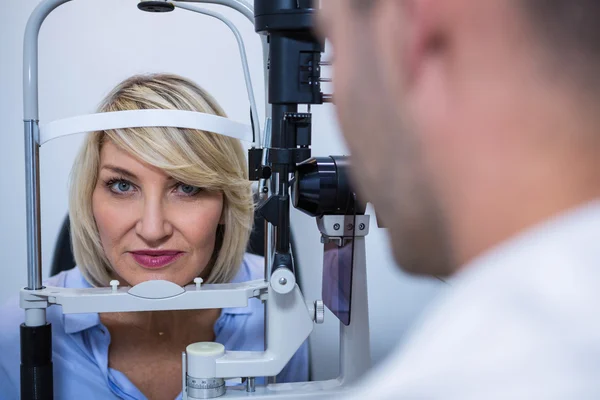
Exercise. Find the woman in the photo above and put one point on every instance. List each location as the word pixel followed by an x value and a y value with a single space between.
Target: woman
pixel 145 204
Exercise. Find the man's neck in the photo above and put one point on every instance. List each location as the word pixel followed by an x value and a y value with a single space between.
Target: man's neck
pixel 522 199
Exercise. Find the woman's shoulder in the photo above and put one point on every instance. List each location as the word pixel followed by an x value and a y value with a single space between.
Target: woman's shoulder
pixel 75 368
pixel 12 318
pixel 13 315
pixel 252 268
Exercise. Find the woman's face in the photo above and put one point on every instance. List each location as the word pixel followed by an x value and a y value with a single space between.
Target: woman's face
pixel 152 226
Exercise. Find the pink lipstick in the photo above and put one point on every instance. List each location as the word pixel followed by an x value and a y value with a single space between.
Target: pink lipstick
pixel 155 259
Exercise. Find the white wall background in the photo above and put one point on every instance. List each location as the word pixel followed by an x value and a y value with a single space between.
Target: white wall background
pixel 86 48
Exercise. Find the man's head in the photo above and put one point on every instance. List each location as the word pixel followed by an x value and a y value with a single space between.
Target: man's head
pixel 467 119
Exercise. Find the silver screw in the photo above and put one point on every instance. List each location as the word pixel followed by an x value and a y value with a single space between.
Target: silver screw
pixel 350 227
pixel 336 227
pixel 283 281
pixel 361 227
pixel 250 385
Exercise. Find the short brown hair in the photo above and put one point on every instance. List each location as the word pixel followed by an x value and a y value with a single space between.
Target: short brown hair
pixel 569 31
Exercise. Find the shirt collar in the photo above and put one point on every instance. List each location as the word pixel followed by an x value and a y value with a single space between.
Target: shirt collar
pixel 79 322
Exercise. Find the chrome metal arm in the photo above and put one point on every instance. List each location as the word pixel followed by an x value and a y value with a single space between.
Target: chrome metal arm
pixel 245 66
pixel 239 5
pixel 32 159
pixel 248 11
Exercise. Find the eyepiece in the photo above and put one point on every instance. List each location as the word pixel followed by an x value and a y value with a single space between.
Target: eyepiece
pixel 156 6
pixel 322 187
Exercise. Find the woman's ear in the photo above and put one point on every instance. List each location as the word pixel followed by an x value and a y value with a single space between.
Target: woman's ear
pixel 223 216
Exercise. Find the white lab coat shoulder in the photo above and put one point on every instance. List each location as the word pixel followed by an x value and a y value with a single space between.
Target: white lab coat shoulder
pixel 521 322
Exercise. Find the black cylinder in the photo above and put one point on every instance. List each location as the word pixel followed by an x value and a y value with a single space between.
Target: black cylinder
pixel 283 260
pixel 156 6
pixel 36 363
pixel 283 225
pixel 322 187
pixel 283 15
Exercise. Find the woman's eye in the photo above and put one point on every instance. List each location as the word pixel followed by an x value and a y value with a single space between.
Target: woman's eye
pixel 121 187
pixel 188 190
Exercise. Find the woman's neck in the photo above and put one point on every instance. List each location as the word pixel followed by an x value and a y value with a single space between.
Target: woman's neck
pixel 169 327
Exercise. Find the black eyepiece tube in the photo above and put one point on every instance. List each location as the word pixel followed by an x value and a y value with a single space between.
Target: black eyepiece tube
pixel 322 187
pixel 36 363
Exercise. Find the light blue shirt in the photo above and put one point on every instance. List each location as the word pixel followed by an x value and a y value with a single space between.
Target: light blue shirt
pixel 80 344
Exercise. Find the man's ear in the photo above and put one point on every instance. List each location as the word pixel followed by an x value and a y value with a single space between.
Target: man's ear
pixel 407 32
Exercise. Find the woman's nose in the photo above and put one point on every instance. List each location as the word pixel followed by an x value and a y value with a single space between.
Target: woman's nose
pixel 153 226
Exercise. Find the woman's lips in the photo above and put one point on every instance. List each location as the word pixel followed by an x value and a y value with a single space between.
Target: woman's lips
pixel 153 259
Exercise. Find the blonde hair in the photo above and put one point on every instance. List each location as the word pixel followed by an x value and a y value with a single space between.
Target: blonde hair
pixel 193 157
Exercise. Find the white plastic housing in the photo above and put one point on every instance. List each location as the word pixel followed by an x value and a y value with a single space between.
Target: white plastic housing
pixel 201 359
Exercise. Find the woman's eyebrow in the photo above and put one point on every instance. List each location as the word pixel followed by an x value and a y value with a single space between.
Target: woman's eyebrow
pixel 119 170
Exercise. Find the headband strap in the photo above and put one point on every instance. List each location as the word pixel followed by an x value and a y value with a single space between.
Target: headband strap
pixel 145 118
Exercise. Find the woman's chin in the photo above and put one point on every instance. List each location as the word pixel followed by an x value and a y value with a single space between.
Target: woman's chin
pixel 181 273
pixel 144 275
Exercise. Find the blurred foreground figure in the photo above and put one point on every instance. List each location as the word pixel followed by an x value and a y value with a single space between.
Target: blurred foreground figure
pixel 475 132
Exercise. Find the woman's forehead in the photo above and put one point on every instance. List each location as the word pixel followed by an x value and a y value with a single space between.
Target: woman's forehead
pixel 115 159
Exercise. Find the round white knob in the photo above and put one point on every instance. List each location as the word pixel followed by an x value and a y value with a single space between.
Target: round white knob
pixel 201 359
pixel 115 285
pixel 283 281
pixel 198 282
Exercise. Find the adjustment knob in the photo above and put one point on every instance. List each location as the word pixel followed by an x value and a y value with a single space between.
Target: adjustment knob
pixel 319 312
pixel 283 281
pixel 207 388
pixel 201 368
